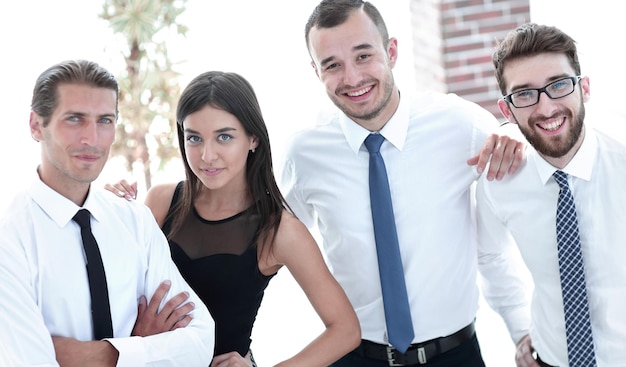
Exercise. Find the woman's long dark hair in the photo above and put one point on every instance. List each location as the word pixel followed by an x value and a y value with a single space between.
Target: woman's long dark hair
pixel 232 93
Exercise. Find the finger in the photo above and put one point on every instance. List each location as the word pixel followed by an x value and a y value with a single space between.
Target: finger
pixel 508 157
pixel 485 153
pixel 125 190
pixel 519 156
pixel 182 322
pixel 181 311
pixel 511 159
pixel 170 320
pixel 141 311
pixel 520 359
pixel 120 191
pixel 524 354
pixel 129 188
pixel 501 158
pixel 473 161
pixel 114 190
pixel 158 296
pixel 171 306
pixel 143 305
pixel 496 157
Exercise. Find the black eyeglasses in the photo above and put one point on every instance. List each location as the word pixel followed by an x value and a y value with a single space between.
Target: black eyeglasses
pixel 530 97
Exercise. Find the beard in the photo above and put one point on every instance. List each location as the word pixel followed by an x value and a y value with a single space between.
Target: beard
pixel 556 146
pixel 356 114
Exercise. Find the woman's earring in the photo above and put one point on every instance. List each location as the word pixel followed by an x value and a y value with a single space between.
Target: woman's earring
pixel 252 150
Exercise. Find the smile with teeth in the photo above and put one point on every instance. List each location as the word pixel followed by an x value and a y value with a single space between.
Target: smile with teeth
pixel 551 126
pixel 360 92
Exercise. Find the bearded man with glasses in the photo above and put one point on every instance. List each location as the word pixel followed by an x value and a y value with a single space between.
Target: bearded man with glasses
pixel 565 208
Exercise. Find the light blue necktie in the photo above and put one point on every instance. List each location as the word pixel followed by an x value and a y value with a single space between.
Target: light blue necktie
pixel 580 349
pixel 395 299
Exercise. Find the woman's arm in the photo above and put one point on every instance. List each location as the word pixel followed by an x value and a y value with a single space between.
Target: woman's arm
pixel 295 248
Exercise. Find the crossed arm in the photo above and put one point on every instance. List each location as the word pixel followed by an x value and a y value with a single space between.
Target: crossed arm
pixel 175 314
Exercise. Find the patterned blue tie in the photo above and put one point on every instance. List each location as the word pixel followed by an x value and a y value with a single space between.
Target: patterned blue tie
pixel 395 299
pixel 580 349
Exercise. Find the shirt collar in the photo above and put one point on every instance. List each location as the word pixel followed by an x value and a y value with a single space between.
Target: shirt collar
pixel 59 208
pixel 394 131
pixel 580 166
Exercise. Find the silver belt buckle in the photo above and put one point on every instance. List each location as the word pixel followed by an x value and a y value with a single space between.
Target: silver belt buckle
pixel 391 359
pixel 421 355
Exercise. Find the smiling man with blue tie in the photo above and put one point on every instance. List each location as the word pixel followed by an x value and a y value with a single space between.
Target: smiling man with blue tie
pixel 387 179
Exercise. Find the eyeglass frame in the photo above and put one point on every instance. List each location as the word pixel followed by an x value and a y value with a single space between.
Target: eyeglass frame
pixel 544 89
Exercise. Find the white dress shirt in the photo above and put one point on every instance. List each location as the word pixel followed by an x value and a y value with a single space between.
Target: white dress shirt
pixel 522 208
pixel 44 289
pixel 428 141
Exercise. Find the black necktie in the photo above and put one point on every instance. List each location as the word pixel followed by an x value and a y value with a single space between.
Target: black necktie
pixel 100 309
pixel 395 298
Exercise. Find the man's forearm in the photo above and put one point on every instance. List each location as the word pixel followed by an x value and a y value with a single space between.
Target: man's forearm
pixel 71 352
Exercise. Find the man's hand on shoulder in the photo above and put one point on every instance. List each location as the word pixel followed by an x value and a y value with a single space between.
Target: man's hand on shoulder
pixel 503 153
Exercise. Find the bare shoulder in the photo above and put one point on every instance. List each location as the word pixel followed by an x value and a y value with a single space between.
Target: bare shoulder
pixel 291 227
pixel 159 198
pixel 292 239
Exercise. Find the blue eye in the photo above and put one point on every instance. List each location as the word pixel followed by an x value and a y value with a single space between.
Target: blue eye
pixel 224 137
pixel 525 94
pixel 560 84
pixel 193 139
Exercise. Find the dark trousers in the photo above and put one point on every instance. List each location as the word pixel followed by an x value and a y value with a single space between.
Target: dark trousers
pixel 465 355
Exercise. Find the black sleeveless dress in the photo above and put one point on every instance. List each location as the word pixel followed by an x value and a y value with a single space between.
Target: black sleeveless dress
pixel 219 261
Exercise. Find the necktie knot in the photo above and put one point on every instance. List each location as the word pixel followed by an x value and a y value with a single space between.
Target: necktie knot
pixel 83 218
pixel 561 178
pixel 373 142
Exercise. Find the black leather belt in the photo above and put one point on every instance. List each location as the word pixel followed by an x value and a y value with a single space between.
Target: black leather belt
pixel 420 353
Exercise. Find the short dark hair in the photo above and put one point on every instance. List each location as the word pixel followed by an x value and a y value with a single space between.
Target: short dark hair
pixel 532 39
pixel 331 13
pixel 45 93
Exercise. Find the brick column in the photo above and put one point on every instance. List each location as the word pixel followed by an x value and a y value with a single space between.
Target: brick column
pixel 428 45
pixel 468 31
